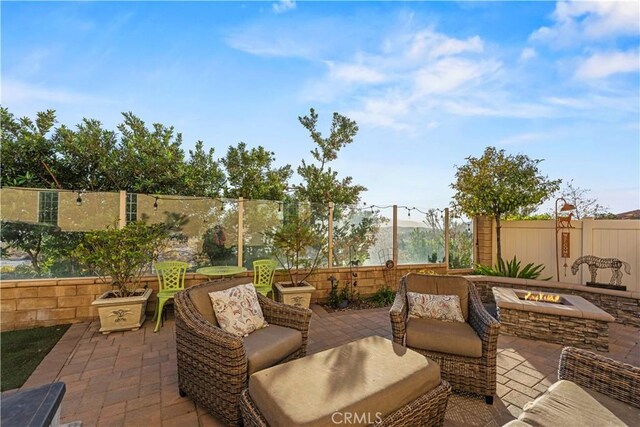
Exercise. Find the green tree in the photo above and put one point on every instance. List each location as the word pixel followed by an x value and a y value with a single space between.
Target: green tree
pixel 87 157
pixel 203 175
pixel 320 184
pixel 354 233
pixel 28 154
pixel 151 160
pixel 585 206
pixel 497 184
pixel 251 175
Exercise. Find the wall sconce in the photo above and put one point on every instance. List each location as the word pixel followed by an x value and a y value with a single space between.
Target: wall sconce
pixel 155 204
pixel 79 198
pixel 563 221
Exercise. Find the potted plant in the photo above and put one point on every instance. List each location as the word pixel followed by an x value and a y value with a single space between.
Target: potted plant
pixel 292 243
pixel 120 257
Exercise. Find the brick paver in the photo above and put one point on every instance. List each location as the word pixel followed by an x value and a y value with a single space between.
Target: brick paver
pixel 130 379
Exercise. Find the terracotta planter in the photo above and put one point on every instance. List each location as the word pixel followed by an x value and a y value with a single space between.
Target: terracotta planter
pixel 298 296
pixel 122 313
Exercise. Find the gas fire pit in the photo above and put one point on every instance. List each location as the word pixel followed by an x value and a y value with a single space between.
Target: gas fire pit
pixel 557 318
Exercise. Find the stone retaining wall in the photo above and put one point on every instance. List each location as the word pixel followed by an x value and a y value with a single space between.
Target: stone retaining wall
pixel 623 306
pixel 45 302
pixel 574 331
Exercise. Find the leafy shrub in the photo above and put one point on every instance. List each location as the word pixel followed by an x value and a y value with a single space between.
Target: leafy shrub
pixel 384 296
pixel 122 254
pixel 334 298
pixel 511 269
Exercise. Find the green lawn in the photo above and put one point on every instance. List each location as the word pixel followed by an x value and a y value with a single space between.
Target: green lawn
pixel 22 351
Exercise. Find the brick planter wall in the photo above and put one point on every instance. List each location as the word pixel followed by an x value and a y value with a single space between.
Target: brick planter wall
pixel 583 333
pixel 623 306
pixel 45 302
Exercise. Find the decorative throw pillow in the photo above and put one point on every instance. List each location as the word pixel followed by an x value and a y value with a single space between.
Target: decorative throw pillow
pixel 237 310
pixel 440 307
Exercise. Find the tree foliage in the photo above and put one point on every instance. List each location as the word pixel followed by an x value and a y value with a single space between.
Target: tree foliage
pixel 124 254
pixel 585 206
pixel 251 175
pixel 498 184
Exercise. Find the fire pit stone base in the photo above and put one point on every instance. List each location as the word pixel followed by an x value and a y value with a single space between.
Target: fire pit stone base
pixel 574 322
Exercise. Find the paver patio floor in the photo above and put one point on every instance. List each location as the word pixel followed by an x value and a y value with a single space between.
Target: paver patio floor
pixel 130 379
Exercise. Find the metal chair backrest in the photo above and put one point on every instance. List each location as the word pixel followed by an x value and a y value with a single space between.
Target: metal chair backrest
pixel 263 272
pixel 171 275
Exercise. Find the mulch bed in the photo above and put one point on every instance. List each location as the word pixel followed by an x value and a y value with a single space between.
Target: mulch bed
pixel 362 304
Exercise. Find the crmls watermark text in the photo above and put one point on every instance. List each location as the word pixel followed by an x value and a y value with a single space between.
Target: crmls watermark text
pixel 356 417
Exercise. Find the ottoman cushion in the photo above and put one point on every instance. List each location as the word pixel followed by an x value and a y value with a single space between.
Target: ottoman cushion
pixel 368 378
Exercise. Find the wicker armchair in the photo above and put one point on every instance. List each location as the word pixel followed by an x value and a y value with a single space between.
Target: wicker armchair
pixel 617 380
pixel 213 365
pixel 465 373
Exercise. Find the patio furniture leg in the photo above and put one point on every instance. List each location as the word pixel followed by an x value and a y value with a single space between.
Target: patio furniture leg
pixel 161 302
pixel 488 400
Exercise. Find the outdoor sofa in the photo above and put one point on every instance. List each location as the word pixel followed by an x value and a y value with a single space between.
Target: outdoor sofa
pixel 214 366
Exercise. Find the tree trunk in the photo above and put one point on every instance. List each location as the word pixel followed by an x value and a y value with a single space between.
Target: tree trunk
pixel 498 245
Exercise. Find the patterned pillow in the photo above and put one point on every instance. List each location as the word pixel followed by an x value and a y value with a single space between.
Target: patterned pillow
pixel 237 310
pixel 440 307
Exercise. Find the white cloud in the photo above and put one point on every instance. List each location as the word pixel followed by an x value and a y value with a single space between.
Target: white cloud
pixel 283 6
pixel 575 21
pixel 523 138
pixel 449 74
pixel 19 92
pixel 601 65
pixel 429 44
pixel 354 73
pixel 527 54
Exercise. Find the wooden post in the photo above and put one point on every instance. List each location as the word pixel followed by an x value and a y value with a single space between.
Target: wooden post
pixel 395 235
pixel 240 231
pixel 330 237
pixel 446 237
pixel 122 219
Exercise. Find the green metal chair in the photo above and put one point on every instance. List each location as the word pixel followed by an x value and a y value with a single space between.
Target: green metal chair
pixel 170 281
pixel 263 272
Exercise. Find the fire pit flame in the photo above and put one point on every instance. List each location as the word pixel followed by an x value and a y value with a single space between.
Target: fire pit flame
pixel 540 296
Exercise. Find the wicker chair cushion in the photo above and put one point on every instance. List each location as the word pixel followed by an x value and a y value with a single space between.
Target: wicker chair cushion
pixel 369 376
pixel 199 296
pixel 441 285
pixel 237 310
pixel 566 403
pixel 444 337
pixel 268 346
pixel 439 307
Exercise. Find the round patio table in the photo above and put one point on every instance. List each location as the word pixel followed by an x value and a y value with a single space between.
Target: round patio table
pixel 221 270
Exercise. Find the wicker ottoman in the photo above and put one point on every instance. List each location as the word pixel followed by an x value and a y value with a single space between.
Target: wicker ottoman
pixel 369 381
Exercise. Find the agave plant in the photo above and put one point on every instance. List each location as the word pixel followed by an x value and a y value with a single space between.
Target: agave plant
pixel 511 269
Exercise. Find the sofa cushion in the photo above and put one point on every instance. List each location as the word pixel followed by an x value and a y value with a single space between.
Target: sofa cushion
pixel 444 337
pixel 268 346
pixel 566 403
pixel 439 307
pixel 627 413
pixel 441 285
pixel 199 296
pixel 369 377
pixel 237 310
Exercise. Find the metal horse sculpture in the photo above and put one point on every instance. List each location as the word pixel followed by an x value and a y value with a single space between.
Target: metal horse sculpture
pixel 595 263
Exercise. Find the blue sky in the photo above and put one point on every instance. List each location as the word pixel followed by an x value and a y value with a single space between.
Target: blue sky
pixel 429 83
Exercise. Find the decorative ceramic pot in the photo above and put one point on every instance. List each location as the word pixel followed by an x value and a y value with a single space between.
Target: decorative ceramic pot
pixel 297 295
pixel 122 313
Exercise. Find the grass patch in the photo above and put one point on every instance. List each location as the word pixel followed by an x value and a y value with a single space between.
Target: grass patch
pixel 22 351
